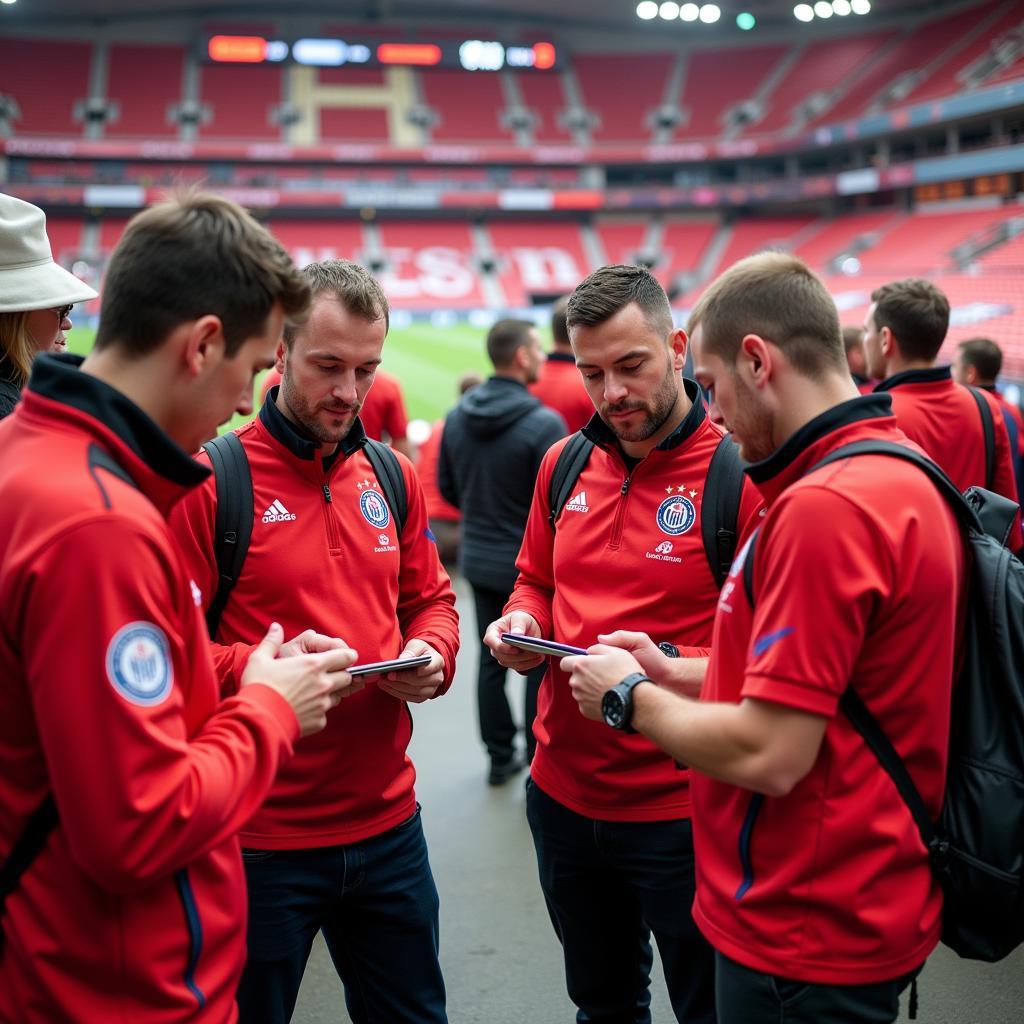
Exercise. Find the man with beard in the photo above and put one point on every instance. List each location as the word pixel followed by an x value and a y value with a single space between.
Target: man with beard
pixel 338 845
pixel 610 813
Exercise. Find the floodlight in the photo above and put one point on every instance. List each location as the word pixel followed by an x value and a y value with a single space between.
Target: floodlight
pixel 689 12
pixel 669 10
pixel 860 6
pixel 647 9
pixel 823 9
pixel 841 7
pixel 710 13
pixel 8 1
pixel 746 21
pixel 803 12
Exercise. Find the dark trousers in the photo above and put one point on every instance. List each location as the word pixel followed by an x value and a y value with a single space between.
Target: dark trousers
pixel 375 902
pixel 497 727
pixel 746 996
pixel 608 885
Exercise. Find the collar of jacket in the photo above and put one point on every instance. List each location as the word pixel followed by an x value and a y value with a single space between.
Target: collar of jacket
pixel 933 375
pixel 601 434
pixel 161 469
pixel 289 436
pixel 845 414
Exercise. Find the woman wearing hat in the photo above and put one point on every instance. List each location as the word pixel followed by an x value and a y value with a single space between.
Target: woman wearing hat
pixel 36 296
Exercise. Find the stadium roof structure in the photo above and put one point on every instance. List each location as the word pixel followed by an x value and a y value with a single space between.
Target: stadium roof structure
pixel 568 14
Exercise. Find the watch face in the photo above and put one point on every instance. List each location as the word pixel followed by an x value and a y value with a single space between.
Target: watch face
pixel 613 709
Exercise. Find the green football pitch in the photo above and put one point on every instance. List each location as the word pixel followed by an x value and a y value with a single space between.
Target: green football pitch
pixel 427 360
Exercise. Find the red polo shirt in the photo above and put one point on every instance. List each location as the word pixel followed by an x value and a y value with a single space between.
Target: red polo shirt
pixel 857 572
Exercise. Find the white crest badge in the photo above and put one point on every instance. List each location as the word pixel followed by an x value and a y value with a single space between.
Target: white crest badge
pixel 139 664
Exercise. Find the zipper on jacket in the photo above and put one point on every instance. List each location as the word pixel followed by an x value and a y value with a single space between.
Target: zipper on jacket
pixel 195 933
pixel 756 801
pixel 330 519
pixel 620 512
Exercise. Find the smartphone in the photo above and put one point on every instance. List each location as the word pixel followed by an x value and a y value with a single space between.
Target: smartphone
pixel 372 668
pixel 535 645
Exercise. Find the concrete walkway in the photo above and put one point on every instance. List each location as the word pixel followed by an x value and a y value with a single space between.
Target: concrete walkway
pixel 501 960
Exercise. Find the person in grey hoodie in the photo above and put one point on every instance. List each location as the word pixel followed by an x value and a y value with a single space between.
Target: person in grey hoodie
pixel 491 449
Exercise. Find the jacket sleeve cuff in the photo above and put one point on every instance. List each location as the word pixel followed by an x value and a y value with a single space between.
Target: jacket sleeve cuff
pixel 268 699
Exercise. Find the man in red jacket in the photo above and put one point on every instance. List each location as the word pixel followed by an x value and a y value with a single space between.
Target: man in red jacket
pixel 125 777
pixel 813 884
pixel 978 363
pixel 338 845
pixel 559 384
pixel 904 329
pixel 610 813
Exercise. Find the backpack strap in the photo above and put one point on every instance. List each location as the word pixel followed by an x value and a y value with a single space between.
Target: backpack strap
pixel 233 523
pixel 392 481
pixel 964 513
pixel 568 466
pixel 723 489
pixel 988 429
pixel 748 568
pixel 867 725
pixel 28 845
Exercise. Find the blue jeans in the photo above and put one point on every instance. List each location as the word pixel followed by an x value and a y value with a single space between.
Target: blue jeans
pixel 608 885
pixel 377 905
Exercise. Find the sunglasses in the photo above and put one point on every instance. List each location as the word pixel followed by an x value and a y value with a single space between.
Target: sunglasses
pixel 63 311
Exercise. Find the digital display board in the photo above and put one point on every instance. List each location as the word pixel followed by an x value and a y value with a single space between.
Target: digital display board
pixel 469 54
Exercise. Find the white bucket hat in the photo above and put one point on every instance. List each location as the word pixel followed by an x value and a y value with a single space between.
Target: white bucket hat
pixel 29 278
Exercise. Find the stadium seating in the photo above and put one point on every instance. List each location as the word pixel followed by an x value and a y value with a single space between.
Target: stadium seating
pixel 716 81
pixel 46 101
pixel 928 42
pixel 924 243
pixel 468 108
pixel 544 96
pixel 430 264
pixel 944 81
pixel 309 241
pixel 622 240
pixel 538 258
pixel 240 98
pixel 820 68
pixel 622 89
pixel 833 238
pixel 143 113
pixel 683 245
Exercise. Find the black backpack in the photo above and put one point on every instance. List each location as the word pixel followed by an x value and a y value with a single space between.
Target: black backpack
pixel 977 845
pixel 233 525
pixel 723 489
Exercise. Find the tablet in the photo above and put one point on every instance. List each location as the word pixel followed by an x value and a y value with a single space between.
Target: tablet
pixel 535 645
pixel 372 668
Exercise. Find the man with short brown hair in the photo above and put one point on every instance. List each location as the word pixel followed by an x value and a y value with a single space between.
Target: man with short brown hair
pixel 904 330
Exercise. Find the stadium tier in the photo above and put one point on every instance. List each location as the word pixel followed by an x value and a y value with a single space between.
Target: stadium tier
pixel 600 98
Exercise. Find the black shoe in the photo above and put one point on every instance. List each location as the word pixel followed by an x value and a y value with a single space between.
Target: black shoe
pixel 502 771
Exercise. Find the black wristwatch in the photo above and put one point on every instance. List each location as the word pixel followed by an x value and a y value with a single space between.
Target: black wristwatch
pixel 617 703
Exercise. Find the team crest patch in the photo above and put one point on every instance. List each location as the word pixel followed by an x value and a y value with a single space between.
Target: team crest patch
pixel 676 515
pixel 139 664
pixel 375 509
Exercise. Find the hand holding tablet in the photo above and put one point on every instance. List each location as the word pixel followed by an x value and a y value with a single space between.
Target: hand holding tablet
pixel 371 668
pixel 535 645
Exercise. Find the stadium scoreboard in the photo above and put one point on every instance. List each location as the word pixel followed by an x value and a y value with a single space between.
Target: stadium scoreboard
pixel 467 54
